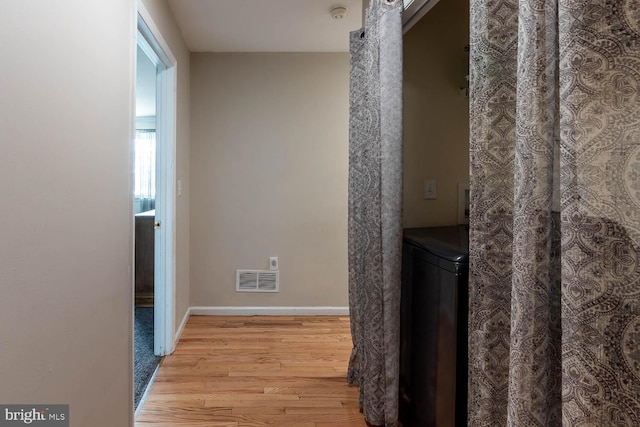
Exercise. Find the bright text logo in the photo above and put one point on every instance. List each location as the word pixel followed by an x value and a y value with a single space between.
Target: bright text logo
pixel 37 415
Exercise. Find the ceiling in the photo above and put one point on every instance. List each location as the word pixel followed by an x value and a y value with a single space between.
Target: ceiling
pixel 266 25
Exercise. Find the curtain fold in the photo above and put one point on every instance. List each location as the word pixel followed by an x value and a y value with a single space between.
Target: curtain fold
pixel 145 170
pixel 375 209
pixel 554 329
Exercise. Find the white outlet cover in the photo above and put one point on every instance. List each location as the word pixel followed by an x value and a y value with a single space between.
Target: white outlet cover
pixel 273 263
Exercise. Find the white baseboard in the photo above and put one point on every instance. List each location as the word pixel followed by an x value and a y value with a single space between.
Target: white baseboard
pixel 185 318
pixel 268 311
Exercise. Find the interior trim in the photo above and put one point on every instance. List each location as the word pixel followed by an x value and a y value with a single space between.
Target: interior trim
pixel 268 311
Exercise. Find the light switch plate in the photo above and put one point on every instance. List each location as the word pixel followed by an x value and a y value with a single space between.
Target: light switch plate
pixel 430 192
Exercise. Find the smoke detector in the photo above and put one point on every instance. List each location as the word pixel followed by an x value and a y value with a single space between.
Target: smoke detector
pixel 338 12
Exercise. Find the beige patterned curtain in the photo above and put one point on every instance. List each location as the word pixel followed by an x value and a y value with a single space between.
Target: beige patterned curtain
pixel 555 213
pixel 375 209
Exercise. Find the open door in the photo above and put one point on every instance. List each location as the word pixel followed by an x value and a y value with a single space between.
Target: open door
pixel 150 41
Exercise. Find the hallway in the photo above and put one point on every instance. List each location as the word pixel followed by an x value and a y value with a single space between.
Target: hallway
pixel 256 371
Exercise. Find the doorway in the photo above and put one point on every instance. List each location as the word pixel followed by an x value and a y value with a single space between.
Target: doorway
pixel 154 201
pixel 144 193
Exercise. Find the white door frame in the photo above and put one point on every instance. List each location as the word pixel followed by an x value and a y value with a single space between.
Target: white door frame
pixel 153 44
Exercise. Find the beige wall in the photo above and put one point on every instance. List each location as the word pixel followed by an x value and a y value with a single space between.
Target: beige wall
pixel 269 176
pixel 66 220
pixel 161 14
pixel 436 116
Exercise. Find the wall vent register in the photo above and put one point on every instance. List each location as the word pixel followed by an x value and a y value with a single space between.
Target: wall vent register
pixel 257 281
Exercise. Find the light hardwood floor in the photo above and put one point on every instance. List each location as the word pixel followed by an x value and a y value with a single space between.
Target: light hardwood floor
pixel 256 371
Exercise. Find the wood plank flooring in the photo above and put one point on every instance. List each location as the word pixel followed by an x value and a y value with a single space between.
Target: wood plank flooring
pixel 256 371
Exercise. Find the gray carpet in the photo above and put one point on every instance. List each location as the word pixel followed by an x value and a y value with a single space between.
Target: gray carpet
pixel 145 361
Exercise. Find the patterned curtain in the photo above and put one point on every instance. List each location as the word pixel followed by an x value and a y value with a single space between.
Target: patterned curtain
pixel 555 213
pixel 375 209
